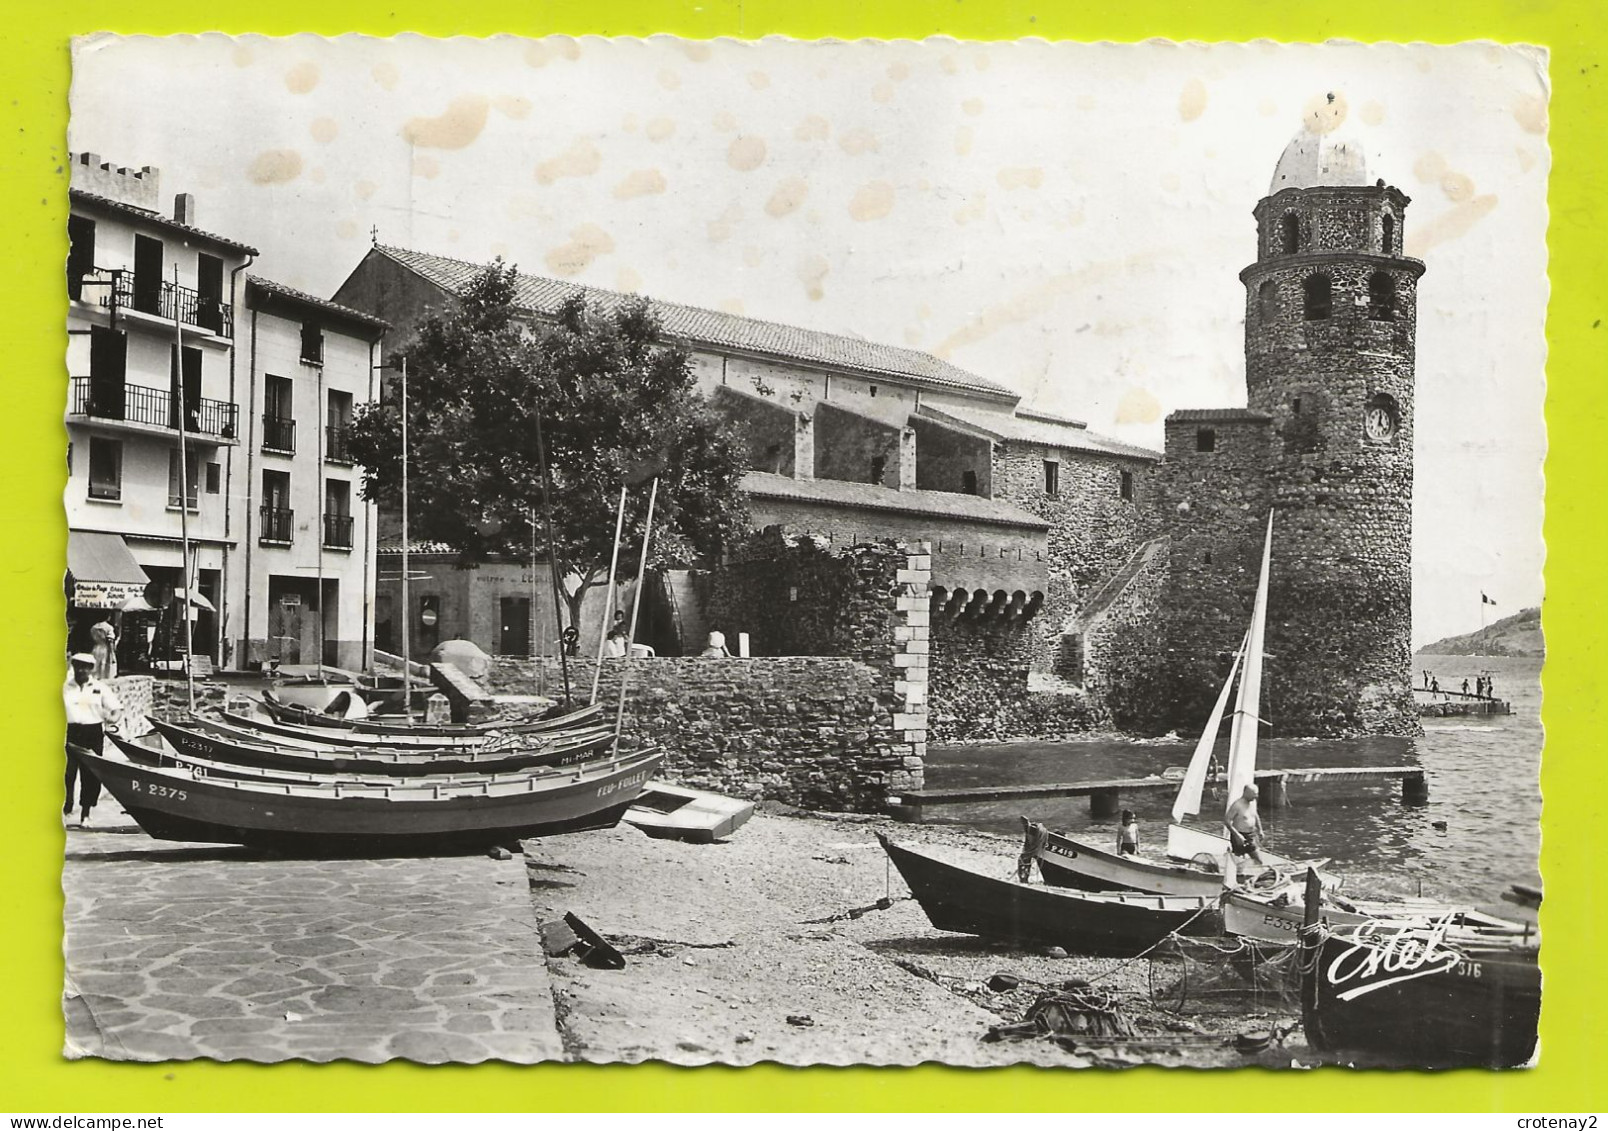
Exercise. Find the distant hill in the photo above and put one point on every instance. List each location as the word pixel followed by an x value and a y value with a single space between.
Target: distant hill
pixel 1517 635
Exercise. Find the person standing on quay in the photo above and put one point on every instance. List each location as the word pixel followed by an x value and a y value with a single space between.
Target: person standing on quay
pixel 92 709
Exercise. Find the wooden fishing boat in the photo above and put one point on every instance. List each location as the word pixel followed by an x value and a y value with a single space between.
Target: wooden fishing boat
pixel 672 812
pixel 1066 862
pixel 562 750
pixel 270 730
pixel 154 750
pixel 420 736
pixel 1405 994
pixel 1276 916
pixel 335 818
pixel 330 741
pixel 283 712
pixel 1106 923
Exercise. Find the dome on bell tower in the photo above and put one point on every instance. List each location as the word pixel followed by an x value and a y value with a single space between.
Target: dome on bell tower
pixel 1322 153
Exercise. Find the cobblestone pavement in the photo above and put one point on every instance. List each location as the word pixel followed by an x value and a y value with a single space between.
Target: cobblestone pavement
pixel 176 951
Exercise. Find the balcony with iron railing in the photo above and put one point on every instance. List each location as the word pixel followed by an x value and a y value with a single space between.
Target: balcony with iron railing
pixel 108 287
pixel 145 407
pixel 337 532
pixel 277 526
pixel 338 444
pixel 278 434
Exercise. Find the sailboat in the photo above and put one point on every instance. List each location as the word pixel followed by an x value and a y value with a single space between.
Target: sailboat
pixel 1199 855
pixel 1184 842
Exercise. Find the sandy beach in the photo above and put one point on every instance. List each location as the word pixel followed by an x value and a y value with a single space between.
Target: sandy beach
pixel 769 946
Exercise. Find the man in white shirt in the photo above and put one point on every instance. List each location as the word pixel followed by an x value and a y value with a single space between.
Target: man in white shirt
pixel 91 709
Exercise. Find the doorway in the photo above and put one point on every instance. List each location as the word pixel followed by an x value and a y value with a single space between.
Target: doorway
pixel 514 638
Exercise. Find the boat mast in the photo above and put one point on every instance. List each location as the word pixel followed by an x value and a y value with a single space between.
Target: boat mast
pixel 1243 734
pixel 636 606
pixel 608 607
pixel 552 556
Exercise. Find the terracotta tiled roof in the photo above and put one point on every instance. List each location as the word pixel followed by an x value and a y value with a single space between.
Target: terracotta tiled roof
pixel 1224 414
pixel 719 330
pixel 291 293
pixel 870 496
pixel 156 219
pixel 1035 428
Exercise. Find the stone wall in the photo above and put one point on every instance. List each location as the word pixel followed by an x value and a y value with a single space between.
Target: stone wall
pixel 170 698
pixel 811 731
pixel 831 711
pixel 1093 528
pixel 978 683
pixel 801 596
pixel 1215 503
pixel 1123 652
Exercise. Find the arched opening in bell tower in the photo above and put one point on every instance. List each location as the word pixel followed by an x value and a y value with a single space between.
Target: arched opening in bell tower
pixel 1388 235
pixel 1267 300
pixel 1317 298
pixel 1290 233
pixel 1382 296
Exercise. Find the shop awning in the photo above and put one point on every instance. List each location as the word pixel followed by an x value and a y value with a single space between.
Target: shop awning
pixel 104 573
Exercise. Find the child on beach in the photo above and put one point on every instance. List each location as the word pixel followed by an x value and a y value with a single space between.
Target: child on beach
pixel 1128 834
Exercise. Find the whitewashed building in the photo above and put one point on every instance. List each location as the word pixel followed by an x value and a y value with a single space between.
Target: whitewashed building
pixel 151 354
pixel 306 554
pixel 169 335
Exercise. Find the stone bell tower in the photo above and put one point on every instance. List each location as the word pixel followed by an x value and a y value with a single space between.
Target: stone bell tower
pixel 1330 319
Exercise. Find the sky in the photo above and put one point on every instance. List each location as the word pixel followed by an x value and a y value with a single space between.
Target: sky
pixel 1066 219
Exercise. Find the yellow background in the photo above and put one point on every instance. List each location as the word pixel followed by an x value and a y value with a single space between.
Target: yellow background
pixel 33 121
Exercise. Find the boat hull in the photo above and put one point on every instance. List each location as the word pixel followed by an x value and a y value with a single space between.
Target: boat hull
pixel 295 715
pixel 562 751
pixel 1122 925
pixel 1481 1011
pixel 1259 916
pixel 153 750
pixel 1065 862
pixel 377 820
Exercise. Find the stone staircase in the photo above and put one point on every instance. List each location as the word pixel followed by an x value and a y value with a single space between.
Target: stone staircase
pixel 1107 594
pixel 1069 664
pixel 681 595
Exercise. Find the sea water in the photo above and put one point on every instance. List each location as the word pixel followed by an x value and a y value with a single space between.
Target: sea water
pixel 1479 833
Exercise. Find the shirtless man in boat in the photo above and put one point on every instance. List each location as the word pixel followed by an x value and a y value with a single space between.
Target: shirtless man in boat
pixel 1244 825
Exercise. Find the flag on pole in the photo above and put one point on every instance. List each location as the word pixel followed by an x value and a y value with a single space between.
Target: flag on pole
pixel 1484 600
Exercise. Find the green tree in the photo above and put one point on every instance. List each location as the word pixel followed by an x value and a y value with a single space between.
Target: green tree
pixel 617 404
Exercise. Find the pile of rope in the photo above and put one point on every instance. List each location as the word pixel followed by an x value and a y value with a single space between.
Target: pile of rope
pixel 1067 1016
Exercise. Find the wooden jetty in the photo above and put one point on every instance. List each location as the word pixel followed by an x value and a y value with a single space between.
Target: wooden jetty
pixel 1444 703
pixel 1105 796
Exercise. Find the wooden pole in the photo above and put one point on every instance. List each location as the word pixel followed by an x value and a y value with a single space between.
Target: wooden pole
pixel 552 557
pixel 318 427
pixel 407 607
pixel 184 490
pixel 636 606
pixel 608 608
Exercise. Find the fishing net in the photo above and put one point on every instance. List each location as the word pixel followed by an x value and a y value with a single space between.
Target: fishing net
pixel 1225 975
pixel 1069 1015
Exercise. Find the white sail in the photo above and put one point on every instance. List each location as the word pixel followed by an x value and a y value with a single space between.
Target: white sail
pixel 1242 735
pixel 1188 801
